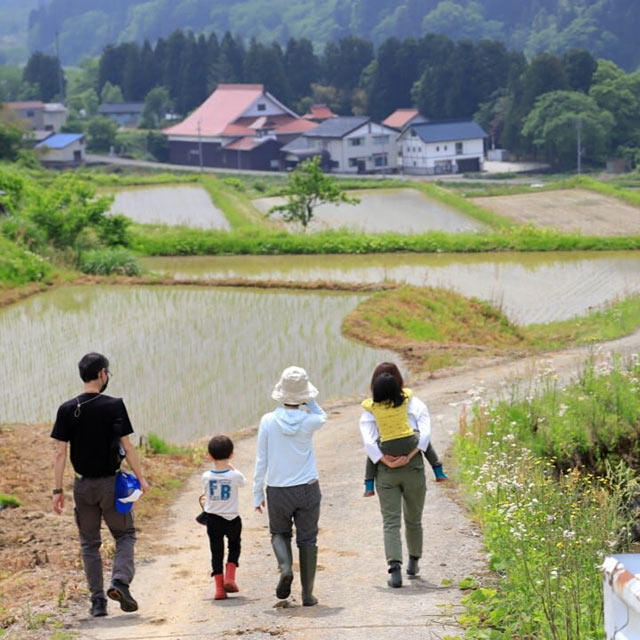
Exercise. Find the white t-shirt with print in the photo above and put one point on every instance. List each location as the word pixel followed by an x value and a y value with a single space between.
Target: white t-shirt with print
pixel 221 491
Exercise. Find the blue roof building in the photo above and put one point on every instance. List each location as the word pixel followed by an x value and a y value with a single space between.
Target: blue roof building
pixel 60 140
pixel 439 147
pixel 62 149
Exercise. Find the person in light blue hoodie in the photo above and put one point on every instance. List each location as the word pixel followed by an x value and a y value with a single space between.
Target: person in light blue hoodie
pixel 286 462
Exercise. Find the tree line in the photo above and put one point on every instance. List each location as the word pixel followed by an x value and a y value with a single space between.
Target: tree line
pixel 608 28
pixel 501 89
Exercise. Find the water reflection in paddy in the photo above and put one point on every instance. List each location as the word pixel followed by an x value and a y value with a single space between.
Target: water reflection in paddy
pixel 188 361
pixel 400 210
pixel 188 205
pixel 530 287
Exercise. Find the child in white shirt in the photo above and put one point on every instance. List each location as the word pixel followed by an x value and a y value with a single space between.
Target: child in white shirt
pixel 221 507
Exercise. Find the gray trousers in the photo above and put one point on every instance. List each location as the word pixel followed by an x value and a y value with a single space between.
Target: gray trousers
pixel 95 500
pixel 401 492
pixel 299 505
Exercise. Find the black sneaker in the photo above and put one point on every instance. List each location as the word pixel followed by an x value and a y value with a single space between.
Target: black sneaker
pixel 120 591
pixel 98 608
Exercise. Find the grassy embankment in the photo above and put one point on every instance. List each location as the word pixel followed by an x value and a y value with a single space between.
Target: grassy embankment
pixel 437 328
pixel 551 478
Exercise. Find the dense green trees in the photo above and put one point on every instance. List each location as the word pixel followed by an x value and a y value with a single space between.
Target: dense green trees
pixel 46 74
pixel 552 127
pixel 608 28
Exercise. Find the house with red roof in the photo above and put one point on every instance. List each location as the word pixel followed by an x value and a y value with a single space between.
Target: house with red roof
pixel 239 126
pixel 400 119
pixel 319 113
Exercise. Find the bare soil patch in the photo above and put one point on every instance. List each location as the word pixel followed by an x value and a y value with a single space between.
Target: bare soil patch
pixel 568 210
pixel 41 571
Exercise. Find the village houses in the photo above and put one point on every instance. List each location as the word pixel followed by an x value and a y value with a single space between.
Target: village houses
pixel 243 126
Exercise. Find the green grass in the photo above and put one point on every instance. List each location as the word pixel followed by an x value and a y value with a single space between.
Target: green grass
pixel 549 474
pixel 156 445
pixel 109 260
pixel 164 240
pixel 234 203
pixel 435 328
pixel 615 320
pixel 18 266
pixel 8 501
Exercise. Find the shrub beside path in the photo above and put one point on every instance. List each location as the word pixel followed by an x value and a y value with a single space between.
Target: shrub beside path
pixel 175 591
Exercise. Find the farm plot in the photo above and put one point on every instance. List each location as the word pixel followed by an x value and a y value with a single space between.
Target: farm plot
pixel 186 205
pixel 568 210
pixel 400 210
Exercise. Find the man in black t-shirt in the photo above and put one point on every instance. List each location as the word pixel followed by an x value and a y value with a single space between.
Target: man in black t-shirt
pixel 97 428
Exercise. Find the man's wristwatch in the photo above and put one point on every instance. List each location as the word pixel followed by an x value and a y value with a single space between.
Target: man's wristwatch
pixel 56 491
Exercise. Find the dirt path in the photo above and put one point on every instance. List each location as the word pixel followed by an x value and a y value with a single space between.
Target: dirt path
pixel 175 590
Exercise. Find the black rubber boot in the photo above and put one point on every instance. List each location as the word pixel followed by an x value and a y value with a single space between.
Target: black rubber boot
pixel 308 560
pixel 395 575
pixel 282 549
pixel 412 568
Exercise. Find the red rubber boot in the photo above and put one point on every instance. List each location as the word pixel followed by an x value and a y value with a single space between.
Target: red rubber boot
pixel 220 594
pixel 230 585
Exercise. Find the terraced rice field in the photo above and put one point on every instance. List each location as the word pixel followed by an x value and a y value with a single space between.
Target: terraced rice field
pixel 186 205
pixel 569 210
pixel 399 210
pixel 529 287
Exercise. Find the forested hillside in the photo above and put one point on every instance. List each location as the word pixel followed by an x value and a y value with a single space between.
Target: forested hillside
pixel 607 28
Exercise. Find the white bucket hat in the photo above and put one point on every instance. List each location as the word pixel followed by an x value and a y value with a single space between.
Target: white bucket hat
pixel 294 387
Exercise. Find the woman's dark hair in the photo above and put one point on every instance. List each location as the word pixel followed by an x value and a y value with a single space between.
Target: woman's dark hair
pixel 220 447
pixel 386 389
pixel 90 366
pixel 390 368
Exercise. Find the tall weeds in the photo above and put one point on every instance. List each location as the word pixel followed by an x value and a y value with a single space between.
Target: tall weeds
pixel 550 477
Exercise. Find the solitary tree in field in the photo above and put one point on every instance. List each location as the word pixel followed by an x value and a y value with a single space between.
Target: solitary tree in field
pixel 309 187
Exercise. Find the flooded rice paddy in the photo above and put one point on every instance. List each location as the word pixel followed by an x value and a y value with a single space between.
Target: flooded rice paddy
pixel 530 287
pixel 187 205
pixel 379 210
pixel 188 361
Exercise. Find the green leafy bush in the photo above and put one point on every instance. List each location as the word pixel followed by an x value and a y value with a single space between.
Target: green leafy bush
pixel 19 266
pixel 112 260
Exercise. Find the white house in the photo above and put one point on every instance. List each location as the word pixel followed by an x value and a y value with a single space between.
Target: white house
pixel 62 149
pixel 452 146
pixel 354 144
pixel 55 116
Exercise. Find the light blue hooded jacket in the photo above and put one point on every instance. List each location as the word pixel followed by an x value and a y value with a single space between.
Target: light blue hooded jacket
pixel 285 456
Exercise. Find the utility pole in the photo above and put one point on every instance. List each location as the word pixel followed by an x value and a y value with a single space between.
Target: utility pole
pixel 200 144
pixel 60 81
pixel 579 136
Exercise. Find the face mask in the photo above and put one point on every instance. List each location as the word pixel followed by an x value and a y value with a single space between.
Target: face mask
pixel 105 385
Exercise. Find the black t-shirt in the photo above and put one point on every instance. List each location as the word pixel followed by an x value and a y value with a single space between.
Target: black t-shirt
pixel 94 435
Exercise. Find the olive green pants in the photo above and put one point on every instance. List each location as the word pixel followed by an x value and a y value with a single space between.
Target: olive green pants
pixel 401 492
